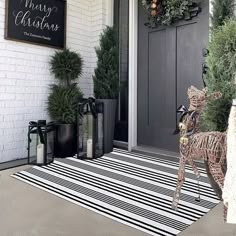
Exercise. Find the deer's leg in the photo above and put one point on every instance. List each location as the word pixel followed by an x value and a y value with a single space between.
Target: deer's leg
pixel 180 182
pixel 218 176
pixel 197 173
pixel 214 185
pixel 217 173
pixel 225 213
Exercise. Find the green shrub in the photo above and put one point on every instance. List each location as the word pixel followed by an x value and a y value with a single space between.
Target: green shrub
pixel 222 10
pixel 220 77
pixel 66 66
pixel 62 103
pixel 106 78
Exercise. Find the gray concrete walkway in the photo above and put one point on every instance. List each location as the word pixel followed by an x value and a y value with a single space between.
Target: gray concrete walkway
pixel 28 211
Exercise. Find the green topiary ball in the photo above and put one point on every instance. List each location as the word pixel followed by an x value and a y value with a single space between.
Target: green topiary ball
pixel 66 66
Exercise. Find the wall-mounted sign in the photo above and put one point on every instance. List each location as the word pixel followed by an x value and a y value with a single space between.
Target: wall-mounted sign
pixel 40 22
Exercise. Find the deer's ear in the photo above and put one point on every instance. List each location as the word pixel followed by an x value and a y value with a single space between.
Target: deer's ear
pixel 191 89
pixel 215 96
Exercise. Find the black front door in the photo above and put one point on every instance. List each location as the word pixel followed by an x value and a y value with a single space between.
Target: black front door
pixel 169 61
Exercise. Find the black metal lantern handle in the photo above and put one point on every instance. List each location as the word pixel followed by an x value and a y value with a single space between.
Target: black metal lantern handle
pixel 91 103
pixel 34 124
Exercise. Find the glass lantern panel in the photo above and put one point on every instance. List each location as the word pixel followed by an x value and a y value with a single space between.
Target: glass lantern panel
pixel 90 130
pixel 87 132
pixel 80 144
pixel 100 140
pixel 86 136
pixel 33 148
pixel 37 150
pixel 50 146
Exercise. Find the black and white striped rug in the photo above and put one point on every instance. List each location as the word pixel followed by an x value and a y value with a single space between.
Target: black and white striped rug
pixel 131 188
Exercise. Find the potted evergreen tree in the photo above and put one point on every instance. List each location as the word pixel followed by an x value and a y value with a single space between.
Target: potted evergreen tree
pixel 62 102
pixel 106 82
pixel 221 71
pixel 220 76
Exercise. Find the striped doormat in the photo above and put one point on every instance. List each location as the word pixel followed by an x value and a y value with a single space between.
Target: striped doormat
pixel 131 188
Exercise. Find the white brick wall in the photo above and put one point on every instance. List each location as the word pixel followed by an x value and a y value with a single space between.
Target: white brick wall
pixel 24 73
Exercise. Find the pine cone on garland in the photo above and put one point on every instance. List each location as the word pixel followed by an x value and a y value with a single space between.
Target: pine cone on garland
pixel 166 12
pixel 155 8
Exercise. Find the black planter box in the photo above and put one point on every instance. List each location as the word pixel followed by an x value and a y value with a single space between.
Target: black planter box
pixel 109 123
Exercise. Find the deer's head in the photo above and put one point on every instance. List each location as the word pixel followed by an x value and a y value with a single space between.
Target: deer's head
pixel 199 98
pixel 189 121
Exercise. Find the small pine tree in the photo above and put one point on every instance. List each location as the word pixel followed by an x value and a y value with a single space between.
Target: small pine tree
pixel 106 78
pixel 220 77
pixel 67 67
pixel 222 10
pixel 62 103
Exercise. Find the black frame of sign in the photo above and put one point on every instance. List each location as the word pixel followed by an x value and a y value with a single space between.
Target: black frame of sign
pixel 6 36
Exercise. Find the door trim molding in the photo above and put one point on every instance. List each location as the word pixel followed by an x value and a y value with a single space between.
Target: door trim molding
pixel 110 12
pixel 133 62
pixel 133 65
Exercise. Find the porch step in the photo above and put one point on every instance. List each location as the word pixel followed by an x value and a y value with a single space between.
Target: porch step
pixel 163 154
pixel 173 156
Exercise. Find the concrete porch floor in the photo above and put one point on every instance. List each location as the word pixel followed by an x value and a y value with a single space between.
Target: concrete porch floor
pixel 28 211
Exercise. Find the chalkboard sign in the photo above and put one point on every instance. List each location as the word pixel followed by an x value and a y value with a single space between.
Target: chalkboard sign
pixel 40 22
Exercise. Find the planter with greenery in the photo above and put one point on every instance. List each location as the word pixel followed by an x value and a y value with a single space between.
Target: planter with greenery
pixel 222 10
pixel 220 76
pixel 106 82
pixel 62 102
pixel 221 64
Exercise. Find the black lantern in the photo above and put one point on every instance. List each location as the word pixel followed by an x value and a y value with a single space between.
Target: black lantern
pixel 90 123
pixel 41 137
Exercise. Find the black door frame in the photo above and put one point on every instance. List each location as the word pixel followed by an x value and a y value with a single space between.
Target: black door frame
pixel 121 24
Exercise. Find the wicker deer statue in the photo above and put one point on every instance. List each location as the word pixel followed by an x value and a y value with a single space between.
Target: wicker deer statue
pixel 207 146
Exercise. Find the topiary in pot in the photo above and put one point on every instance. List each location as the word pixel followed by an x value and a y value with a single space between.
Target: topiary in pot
pixel 106 77
pixel 222 10
pixel 221 67
pixel 62 102
pixel 220 76
pixel 66 66
pixel 106 82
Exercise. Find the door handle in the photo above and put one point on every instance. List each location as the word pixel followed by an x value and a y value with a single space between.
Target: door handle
pixel 204 71
pixel 204 68
pixel 205 52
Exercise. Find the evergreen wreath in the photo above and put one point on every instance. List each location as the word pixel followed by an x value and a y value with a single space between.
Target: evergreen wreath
pixel 167 12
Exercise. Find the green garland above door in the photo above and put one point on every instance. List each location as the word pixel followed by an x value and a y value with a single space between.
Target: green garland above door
pixel 167 12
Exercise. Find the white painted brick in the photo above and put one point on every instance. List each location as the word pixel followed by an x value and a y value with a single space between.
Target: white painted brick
pixel 7 96
pixel 14 132
pixel 6 125
pixel 25 76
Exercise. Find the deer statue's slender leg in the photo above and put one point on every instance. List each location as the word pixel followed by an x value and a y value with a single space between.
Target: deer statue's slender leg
pixel 180 182
pixel 218 176
pixel 225 213
pixel 197 173
pixel 217 173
